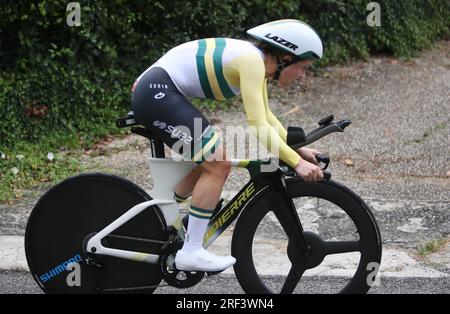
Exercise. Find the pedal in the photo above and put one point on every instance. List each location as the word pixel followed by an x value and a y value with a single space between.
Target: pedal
pixel 212 273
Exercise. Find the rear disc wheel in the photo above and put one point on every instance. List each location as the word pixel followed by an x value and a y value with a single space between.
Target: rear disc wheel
pixel 67 215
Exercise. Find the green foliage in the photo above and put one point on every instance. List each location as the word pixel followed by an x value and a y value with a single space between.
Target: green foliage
pixel 406 27
pixel 76 80
pixel 432 246
pixel 28 164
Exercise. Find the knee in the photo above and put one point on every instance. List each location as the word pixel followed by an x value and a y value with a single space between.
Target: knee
pixel 219 169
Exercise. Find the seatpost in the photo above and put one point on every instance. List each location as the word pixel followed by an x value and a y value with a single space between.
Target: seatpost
pixel 156 145
pixel 157 148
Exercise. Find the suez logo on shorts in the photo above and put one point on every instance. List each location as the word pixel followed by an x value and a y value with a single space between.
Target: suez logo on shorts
pixel 174 131
pixel 281 41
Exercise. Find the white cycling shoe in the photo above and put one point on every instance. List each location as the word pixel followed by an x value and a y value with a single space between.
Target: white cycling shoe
pixel 202 260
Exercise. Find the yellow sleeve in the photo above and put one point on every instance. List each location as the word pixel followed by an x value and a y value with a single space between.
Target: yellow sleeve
pixel 273 121
pixel 252 85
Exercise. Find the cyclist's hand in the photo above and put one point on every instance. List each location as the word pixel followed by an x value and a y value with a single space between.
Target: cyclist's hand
pixel 309 154
pixel 308 171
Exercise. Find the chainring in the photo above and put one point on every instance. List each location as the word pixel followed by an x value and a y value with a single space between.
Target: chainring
pixel 178 278
pixel 174 277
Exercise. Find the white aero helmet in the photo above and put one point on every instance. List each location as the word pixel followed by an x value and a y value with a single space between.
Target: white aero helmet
pixel 292 36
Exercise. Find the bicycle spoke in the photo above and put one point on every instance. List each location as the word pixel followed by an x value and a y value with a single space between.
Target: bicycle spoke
pixel 292 279
pixel 339 247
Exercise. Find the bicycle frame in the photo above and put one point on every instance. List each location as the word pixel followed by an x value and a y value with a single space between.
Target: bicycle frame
pixel 166 174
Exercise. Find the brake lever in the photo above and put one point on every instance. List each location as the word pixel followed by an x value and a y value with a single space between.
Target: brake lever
pixel 323 158
pixel 326 176
pixel 289 172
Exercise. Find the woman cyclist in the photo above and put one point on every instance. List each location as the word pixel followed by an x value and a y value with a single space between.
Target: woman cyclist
pixel 221 68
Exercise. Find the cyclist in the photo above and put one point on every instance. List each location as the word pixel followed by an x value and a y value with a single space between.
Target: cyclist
pixel 221 68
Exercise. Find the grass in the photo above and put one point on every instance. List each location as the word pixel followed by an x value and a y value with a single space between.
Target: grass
pixel 28 165
pixel 440 126
pixel 428 133
pixel 54 158
pixel 422 138
pixel 432 246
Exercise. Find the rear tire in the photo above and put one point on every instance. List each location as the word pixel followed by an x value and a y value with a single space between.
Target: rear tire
pixel 69 213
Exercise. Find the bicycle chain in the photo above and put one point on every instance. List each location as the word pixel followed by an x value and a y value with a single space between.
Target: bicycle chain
pixel 173 277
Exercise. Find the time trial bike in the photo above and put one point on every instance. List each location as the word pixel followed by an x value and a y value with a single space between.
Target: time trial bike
pixel 101 233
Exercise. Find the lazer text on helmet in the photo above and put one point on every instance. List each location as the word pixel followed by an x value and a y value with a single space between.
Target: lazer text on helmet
pixel 281 41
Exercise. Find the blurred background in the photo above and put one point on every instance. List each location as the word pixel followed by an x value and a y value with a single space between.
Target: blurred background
pixel 61 87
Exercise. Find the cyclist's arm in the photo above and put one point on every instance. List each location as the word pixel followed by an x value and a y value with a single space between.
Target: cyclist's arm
pixel 271 118
pixel 251 74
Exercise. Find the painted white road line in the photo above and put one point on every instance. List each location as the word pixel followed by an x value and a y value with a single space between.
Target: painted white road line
pixel 12 253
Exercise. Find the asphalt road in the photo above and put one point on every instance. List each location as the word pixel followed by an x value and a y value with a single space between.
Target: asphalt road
pixel 12 282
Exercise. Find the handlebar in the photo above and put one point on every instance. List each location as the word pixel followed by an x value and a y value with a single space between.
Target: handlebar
pixel 296 137
pixel 290 172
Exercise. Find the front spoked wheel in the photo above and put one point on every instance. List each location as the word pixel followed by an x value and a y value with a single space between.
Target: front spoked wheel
pixel 340 231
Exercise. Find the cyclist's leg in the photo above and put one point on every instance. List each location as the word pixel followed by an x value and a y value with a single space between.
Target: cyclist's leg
pixel 184 189
pixel 211 180
pixel 204 198
pixel 209 172
pixel 205 195
pixel 159 106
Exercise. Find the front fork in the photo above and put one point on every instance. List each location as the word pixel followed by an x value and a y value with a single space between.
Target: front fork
pixel 287 214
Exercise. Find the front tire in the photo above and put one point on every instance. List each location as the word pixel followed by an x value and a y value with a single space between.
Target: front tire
pixel 338 221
